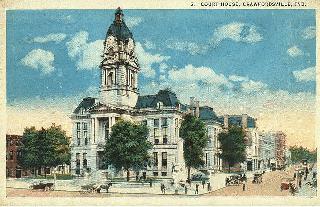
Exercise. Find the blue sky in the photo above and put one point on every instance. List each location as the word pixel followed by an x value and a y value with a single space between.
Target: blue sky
pixel 222 56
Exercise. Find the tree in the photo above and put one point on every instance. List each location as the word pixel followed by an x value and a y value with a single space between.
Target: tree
pixel 195 139
pixel 299 153
pixel 44 148
pixel 233 145
pixel 127 148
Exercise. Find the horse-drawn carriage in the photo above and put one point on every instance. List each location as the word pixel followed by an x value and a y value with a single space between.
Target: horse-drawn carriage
pixel 42 186
pixel 257 178
pixel 93 187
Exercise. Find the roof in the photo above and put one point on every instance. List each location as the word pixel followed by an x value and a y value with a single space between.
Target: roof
pixel 119 29
pixel 85 104
pixel 237 121
pixel 207 113
pixel 167 97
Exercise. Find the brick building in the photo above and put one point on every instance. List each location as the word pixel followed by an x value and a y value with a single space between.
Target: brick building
pixel 13 170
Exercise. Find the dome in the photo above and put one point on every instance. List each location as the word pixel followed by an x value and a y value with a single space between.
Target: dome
pixel 118 28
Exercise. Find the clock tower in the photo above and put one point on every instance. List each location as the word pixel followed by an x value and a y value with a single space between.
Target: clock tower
pixel 119 68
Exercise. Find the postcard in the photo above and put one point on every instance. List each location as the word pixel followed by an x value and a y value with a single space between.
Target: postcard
pixel 159 103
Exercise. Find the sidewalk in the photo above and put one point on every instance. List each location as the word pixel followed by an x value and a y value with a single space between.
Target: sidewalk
pixel 217 181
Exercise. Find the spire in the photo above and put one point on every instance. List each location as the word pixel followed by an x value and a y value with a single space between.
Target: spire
pixel 118 16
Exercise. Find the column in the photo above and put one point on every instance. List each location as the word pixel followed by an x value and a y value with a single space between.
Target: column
pixel 96 130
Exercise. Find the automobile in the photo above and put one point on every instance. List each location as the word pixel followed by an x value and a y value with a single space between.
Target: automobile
pixel 257 178
pixel 234 179
pixel 200 176
pixel 286 183
pixel 42 185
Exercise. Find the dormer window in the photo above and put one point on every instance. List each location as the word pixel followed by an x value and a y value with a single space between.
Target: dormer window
pixel 82 111
pixel 159 105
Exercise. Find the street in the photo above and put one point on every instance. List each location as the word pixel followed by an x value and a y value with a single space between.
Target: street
pixel 269 187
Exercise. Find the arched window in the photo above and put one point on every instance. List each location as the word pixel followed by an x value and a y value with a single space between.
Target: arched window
pixel 159 105
pixel 110 79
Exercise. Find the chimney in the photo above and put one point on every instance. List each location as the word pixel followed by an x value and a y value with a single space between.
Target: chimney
pixel 197 113
pixel 226 121
pixel 244 121
pixel 192 102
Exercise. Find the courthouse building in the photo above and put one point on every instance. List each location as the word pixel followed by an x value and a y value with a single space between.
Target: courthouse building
pixel 119 99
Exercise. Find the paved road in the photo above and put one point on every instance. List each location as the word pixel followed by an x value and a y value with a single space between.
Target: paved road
pixel 269 187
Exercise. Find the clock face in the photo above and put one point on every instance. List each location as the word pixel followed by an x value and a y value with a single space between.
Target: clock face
pixel 110 43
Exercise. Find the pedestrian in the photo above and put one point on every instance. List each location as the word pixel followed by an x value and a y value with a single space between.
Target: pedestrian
pixel 161 187
pixel 164 189
pixel 185 190
pixel 227 181
pixel 197 189
pixel 300 183
pixel 150 181
pixel 203 183
pixel 209 186
pixel 244 185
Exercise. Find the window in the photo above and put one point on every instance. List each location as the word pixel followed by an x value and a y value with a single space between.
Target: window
pixel 155 173
pixel 164 160
pixel 11 155
pixel 159 105
pixel 156 122
pixel 156 132
pixel 85 135
pixel 106 132
pixel 155 159
pixel 156 140
pixel 207 161
pixel 145 122
pixel 85 164
pixel 78 133
pixel 163 173
pixel 164 122
pixel 110 79
pixel 165 135
pixel 85 132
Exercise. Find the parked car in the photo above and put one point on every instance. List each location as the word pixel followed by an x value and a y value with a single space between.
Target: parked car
pixel 200 176
pixel 234 179
pixel 41 185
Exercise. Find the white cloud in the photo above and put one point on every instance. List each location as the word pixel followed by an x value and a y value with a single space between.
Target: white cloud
pixel 237 78
pixel 86 54
pixel 133 21
pixel 192 74
pixel 308 74
pixel 149 45
pixel 238 32
pixel 294 51
pixel 39 59
pixel 309 32
pixel 252 86
pixel 147 60
pixel 53 37
pixel 190 47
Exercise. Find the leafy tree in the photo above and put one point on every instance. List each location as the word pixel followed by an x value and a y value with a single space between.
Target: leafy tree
pixel 193 133
pixel 299 153
pixel 127 148
pixel 233 145
pixel 44 148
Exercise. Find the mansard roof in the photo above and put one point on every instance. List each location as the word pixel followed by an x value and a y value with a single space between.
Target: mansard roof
pixel 167 97
pixel 85 104
pixel 207 113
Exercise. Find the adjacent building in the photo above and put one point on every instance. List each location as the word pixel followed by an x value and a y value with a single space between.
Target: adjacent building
pixel 13 169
